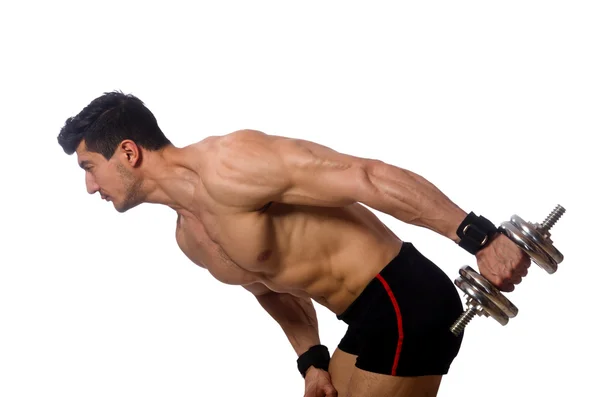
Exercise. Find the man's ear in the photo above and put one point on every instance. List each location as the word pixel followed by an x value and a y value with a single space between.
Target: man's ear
pixel 131 152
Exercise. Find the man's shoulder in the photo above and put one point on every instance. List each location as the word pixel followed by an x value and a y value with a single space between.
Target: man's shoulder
pixel 245 136
pixel 213 142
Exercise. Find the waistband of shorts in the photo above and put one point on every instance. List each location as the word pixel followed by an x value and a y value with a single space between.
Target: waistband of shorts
pixel 374 289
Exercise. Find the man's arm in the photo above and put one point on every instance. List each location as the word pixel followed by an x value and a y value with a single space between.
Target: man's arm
pixel 296 316
pixel 254 168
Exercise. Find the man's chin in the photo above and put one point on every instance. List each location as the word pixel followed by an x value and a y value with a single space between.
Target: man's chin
pixel 124 207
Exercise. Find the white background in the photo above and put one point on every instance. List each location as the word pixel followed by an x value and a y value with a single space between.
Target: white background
pixel 494 102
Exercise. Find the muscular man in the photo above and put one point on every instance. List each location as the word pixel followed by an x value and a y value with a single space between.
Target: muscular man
pixel 288 220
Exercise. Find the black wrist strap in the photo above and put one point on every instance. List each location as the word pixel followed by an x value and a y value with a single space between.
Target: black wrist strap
pixel 475 233
pixel 317 356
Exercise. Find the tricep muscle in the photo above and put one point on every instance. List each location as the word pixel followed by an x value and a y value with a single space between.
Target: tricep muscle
pixel 254 168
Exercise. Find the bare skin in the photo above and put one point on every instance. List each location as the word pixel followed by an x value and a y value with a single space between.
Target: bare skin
pixel 288 220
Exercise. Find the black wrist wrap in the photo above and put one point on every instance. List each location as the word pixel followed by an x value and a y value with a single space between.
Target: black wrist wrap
pixel 475 233
pixel 317 356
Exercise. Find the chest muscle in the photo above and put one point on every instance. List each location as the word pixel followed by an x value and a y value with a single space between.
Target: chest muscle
pixel 228 251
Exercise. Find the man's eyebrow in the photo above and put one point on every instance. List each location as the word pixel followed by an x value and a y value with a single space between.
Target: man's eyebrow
pixel 83 163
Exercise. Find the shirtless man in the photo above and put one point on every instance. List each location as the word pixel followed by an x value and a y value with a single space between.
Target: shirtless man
pixel 288 220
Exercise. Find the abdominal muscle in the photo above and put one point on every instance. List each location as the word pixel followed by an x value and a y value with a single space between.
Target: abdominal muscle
pixel 327 254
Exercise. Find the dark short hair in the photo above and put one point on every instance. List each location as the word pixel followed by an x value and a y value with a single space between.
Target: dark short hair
pixel 107 121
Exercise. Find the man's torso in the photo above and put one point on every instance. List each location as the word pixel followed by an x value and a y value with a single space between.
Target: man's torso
pixel 328 254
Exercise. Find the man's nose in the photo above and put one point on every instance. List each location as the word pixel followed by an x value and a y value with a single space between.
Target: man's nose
pixel 91 185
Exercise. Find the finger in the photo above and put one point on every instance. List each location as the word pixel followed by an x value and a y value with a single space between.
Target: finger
pixel 497 282
pixel 310 392
pixel 323 393
pixel 525 261
pixel 516 280
pixel 506 287
pixel 509 283
pixel 518 271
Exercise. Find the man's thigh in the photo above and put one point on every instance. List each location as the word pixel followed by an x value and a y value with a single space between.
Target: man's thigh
pixel 341 368
pixel 365 384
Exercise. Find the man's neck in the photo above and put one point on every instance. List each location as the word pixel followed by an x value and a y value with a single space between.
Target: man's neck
pixel 168 180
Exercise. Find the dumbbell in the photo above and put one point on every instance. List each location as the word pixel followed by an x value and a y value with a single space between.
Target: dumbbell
pixel 483 298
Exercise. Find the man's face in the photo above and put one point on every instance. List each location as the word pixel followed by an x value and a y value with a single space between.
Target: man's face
pixel 111 178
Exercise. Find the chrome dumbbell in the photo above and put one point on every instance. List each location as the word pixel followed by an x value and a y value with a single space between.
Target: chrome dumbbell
pixel 483 298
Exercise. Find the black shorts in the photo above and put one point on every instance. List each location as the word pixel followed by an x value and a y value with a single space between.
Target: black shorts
pixel 400 324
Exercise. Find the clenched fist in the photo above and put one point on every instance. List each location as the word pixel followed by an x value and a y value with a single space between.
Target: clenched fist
pixel 503 263
pixel 318 384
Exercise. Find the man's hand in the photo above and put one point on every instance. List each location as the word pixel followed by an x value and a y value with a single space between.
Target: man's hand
pixel 318 384
pixel 503 263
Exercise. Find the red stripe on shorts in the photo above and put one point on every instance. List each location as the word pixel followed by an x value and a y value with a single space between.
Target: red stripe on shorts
pixel 398 319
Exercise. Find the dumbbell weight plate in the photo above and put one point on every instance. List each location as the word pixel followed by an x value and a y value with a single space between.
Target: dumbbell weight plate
pixel 540 249
pixel 489 290
pixel 489 307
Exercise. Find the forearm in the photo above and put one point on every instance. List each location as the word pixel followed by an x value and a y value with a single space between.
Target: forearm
pixel 412 199
pixel 296 316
